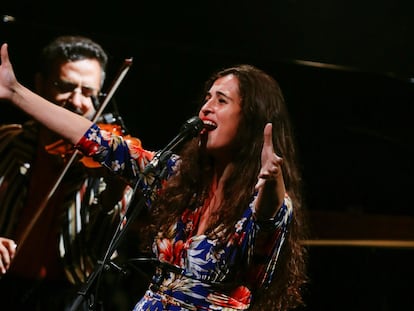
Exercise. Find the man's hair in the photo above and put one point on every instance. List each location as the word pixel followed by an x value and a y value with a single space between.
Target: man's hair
pixel 71 48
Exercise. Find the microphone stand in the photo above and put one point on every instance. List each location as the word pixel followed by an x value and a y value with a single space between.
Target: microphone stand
pixel 104 264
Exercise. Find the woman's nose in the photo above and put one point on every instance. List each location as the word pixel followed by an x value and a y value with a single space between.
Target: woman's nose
pixel 208 106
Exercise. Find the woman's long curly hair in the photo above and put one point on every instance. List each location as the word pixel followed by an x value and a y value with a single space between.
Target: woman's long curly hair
pixel 262 102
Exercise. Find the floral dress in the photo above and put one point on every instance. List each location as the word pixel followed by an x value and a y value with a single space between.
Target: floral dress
pixel 197 272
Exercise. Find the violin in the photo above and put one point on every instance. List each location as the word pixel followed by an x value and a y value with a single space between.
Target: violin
pixel 63 148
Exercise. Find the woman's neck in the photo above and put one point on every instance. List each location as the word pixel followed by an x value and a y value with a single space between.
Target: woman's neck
pixel 215 198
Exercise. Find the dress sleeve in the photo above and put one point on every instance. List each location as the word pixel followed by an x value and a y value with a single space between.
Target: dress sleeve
pixel 114 152
pixel 111 151
pixel 269 237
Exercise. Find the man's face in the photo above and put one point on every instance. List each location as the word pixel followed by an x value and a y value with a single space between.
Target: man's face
pixel 72 84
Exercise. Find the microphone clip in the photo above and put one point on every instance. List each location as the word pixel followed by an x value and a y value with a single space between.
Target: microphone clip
pixel 158 164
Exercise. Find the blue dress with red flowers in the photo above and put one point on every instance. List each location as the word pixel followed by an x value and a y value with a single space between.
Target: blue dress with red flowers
pixel 198 272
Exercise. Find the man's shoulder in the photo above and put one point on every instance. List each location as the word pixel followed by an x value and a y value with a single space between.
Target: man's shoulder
pixel 18 128
pixel 8 132
pixel 15 134
pixel 11 128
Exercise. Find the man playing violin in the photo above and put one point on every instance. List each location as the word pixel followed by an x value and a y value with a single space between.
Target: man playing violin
pixel 60 234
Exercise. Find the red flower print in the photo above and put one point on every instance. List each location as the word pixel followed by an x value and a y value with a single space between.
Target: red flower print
pixel 241 294
pixel 165 250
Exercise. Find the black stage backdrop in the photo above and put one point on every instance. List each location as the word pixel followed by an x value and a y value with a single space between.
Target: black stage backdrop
pixel 347 72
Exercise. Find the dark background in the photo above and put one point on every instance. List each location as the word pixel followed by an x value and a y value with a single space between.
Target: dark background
pixel 347 72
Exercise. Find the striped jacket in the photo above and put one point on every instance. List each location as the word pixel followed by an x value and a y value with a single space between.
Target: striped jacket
pixel 73 226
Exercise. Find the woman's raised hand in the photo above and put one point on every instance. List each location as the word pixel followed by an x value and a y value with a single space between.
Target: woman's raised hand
pixel 7 77
pixel 270 182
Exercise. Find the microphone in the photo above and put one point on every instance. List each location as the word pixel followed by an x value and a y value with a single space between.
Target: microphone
pixel 191 128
